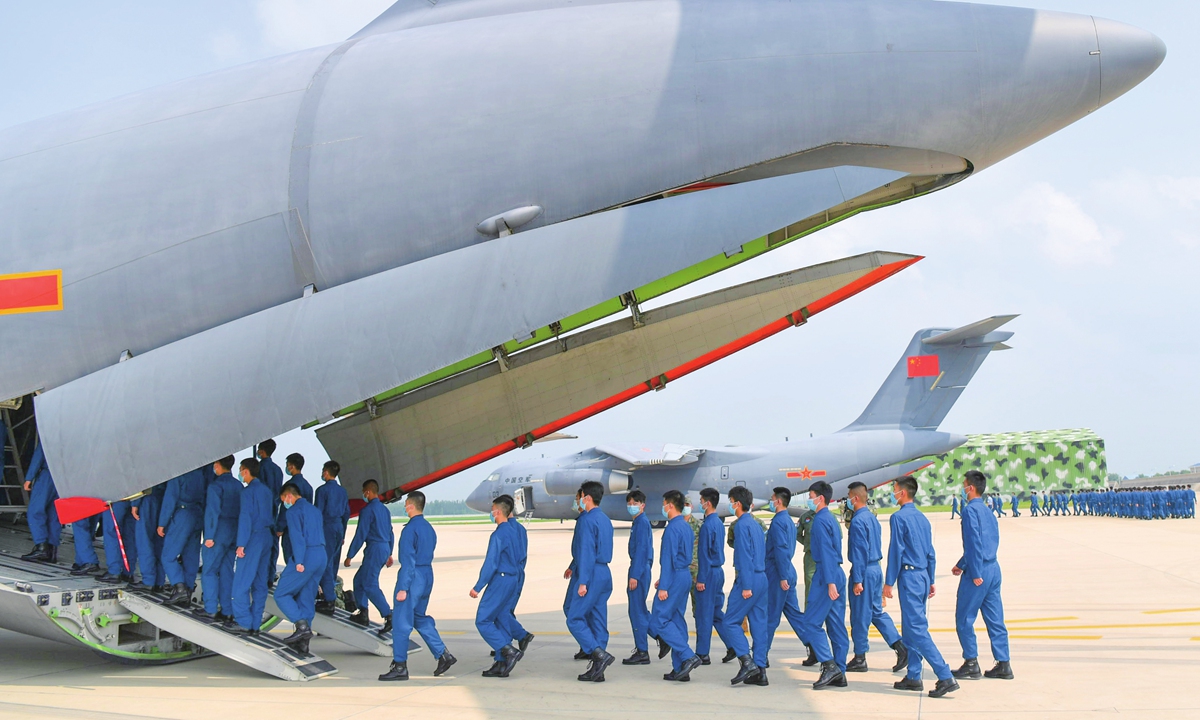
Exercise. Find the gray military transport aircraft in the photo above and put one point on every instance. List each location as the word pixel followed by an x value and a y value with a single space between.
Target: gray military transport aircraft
pixel 897 429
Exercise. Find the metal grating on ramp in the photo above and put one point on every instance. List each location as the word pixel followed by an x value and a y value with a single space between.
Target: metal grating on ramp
pixel 340 628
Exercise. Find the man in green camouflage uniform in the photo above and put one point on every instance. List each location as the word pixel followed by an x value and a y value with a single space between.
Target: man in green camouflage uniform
pixel 803 532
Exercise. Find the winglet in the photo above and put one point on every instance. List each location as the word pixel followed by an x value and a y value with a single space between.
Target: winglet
pixel 71 509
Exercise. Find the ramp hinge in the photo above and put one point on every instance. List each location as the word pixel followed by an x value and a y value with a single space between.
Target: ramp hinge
pixel 501 356
pixel 630 301
pixel 372 408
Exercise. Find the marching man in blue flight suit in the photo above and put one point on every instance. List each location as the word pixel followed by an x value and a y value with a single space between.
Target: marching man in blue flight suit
pixel 41 514
pixel 866 585
pixel 1015 503
pixel 1033 503
pixel 255 536
pixel 296 591
pixel 953 506
pixel 294 463
pixel 748 599
pixel 221 510
pixel 498 581
pixel 414 583
pixel 911 563
pixel 374 532
pixel 781 572
pixel 637 587
pixel 334 504
pixel 508 619
pixel 145 512
pixel 588 617
pixel 710 574
pixel 826 603
pixel 572 576
pixel 271 475
pixel 979 585
pixel 674 584
pixel 179 524
pixel 120 550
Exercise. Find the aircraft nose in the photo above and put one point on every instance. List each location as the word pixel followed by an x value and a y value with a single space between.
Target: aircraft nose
pixel 478 500
pixel 1128 55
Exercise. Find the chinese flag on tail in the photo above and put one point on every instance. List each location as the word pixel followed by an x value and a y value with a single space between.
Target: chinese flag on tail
pixel 923 366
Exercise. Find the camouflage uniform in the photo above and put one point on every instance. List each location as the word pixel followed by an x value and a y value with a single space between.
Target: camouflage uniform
pixel 803 530
pixel 695 566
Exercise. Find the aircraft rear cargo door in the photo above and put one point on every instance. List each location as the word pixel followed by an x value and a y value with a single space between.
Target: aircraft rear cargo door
pixel 523 502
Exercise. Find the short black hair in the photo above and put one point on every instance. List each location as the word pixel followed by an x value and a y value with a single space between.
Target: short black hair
pixel 252 465
pixel 296 460
pixel 506 504
pixel 290 489
pixel 332 468
pixel 674 498
pixel 267 446
pixel 592 489
pixel 783 494
pixel 741 494
pixel 976 480
pixel 711 496
pixel 636 496
pixel 226 463
pixel 417 499
pixel 908 484
pixel 857 488
pixel 371 485
pixel 823 489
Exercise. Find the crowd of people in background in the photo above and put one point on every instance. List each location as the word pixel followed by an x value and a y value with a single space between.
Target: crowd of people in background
pixel 1153 502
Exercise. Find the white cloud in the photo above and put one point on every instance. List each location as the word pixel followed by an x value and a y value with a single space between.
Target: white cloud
pixel 290 25
pixel 1060 226
pixel 1184 191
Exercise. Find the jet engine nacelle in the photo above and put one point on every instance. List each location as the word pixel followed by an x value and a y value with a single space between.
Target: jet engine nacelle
pixel 567 481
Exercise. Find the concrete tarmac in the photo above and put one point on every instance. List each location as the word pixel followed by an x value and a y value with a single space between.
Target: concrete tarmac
pixel 1104 616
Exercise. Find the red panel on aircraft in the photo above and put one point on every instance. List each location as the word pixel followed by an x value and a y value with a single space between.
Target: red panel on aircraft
pixel 31 292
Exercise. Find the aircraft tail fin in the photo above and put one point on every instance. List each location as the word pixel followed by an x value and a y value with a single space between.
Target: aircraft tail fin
pixel 935 369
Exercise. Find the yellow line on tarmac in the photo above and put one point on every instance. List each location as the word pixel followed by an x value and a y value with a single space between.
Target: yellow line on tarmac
pixel 1057 637
pixel 1119 625
pixel 1164 612
pixel 1050 619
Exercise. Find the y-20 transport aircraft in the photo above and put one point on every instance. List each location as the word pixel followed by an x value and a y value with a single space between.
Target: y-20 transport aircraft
pixel 897 429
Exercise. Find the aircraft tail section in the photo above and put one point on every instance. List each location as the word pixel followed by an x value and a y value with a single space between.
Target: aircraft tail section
pixel 932 373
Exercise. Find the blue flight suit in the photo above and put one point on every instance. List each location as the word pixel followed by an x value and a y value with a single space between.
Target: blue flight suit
pixel 296 592
pixel 781 548
pixel 271 475
pixel 1033 504
pixel 119 535
pixel 182 519
pixel 826 548
pixel 667 620
pixel 981 540
pixel 334 505
pixel 749 566
pixel 375 531
pixel 499 575
pixel 41 513
pixel 149 544
pixel 866 550
pixel 84 532
pixel 953 506
pixel 710 571
pixel 255 536
pixel 1015 505
pixel 415 552
pixel 281 524
pixel 641 566
pixel 222 508
pixel 911 563
pixel 508 619
pixel 588 616
pixel 573 581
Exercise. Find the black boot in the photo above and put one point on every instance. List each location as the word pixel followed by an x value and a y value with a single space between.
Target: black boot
pixel 51 554
pixel 760 679
pixel 509 656
pixel 600 662
pixel 684 674
pixel 300 646
pixel 361 618
pixel 663 648
pixel 812 657
pixel 444 663
pixel 1002 671
pixel 88 569
pixel 156 589
pixel 523 643
pixel 397 671
pixel 387 625
pixel 747 671
pixel 968 671
pixel 581 655
pixel 179 596
pixel 301 633
pixel 857 664
pixel 109 579
pixel 705 660
pixel 139 586
pixel 639 657
pixel 496 668
pixel 326 608
pixel 37 554
pixel 348 599
pixel 909 684
pixel 948 685
pixel 831 674
pixel 901 656
pixel 730 656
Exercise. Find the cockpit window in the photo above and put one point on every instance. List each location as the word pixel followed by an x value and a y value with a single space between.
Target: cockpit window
pixel 493 477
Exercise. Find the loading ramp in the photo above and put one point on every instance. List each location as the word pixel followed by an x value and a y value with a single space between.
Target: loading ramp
pixel 339 627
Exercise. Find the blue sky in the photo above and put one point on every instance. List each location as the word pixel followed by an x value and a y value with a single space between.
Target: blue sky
pixel 1093 235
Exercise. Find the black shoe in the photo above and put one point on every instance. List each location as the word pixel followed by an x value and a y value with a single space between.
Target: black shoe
pixel 901 656
pixel 349 601
pixel 88 569
pixel 326 608
pixel 748 670
pixel 685 670
pixel 523 643
pixel 581 655
pixel 600 662
pixel 1002 671
pixel 51 554
pixel 831 674
pixel 231 626
pixel 109 579
pixel 397 671
pixel 857 664
pixel 968 671
pixel 509 656
pixel 361 618
pixel 663 648
pixel 179 596
pixel 909 684
pixel 760 679
pixel 39 553
pixel 300 634
pixel 730 656
pixel 444 663
pixel 387 625
pixel 139 586
pixel 156 589
pixel 704 660
pixel 948 685
pixel 216 617
pixel 639 657
pixel 811 659
pixel 495 670
pixel 300 646
pixel 222 617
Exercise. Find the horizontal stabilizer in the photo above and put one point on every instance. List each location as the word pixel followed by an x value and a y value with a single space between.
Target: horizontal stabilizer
pixel 968 332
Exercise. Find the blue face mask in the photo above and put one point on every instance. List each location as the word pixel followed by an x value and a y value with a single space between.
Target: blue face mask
pixel 494 522
pixel 634 510
pixel 575 506
pixel 288 505
pixel 811 504
pixel 664 511
pixel 732 508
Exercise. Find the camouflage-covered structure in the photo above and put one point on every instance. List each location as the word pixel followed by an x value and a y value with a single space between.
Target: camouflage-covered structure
pixel 1015 463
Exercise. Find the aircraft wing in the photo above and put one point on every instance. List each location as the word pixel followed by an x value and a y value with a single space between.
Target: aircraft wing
pixel 651 455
